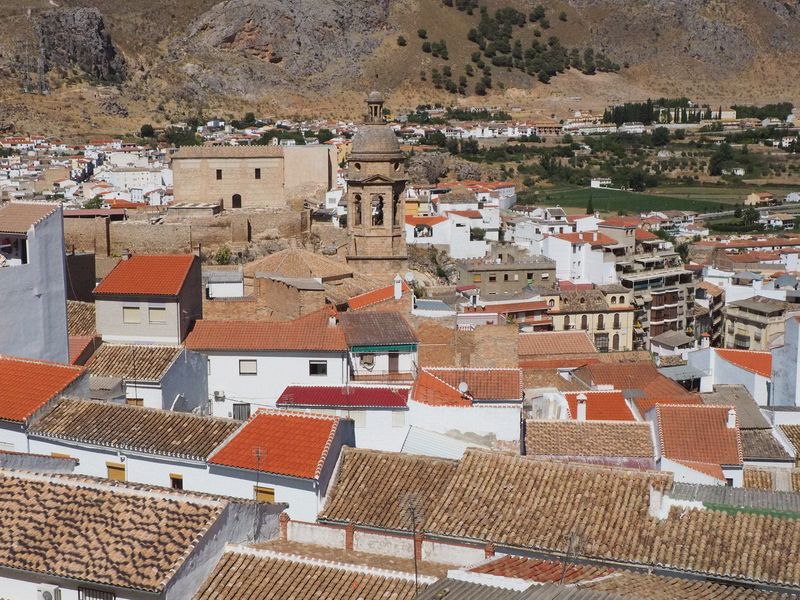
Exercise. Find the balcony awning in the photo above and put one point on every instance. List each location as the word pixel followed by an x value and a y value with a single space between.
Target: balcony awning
pixel 389 348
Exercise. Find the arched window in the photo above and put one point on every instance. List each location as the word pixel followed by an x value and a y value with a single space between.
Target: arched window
pixel 613 299
pixel 616 321
pixel 236 201
pixel 584 322
pixel 601 322
pixel 357 210
pixel 377 210
pixel 615 342
pixel 566 321
pixel 551 303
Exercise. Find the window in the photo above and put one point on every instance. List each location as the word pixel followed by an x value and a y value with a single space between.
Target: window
pixel 359 418
pixel 545 275
pixel 615 342
pixel 601 322
pixel 263 494
pixel 258 173
pixel 90 594
pixel 219 174
pixel 176 481
pixel 130 314
pixel 157 314
pixel 476 278
pixel 241 411
pixel 492 278
pixel 601 342
pixel 318 367
pixel 616 321
pixel 584 322
pixel 529 276
pixel 248 367
pixel 398 418
pixel 134 401
pixel 116 471
pixel 506 276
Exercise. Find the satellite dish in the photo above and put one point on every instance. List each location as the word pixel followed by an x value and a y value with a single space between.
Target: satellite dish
pixel 409 277
pixel 463 387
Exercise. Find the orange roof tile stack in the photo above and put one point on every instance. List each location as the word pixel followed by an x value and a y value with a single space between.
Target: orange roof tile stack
pixel 27 385
pixel 441 386
pixel 698 434
pixel 749 360
pixel 588 439
pixel 292 444
pixel 147 275
pixel 374 297
pixel 600 406
pixel 548 343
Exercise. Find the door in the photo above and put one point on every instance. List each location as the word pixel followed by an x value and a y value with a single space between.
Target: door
pixel 236 201
pixel 394 362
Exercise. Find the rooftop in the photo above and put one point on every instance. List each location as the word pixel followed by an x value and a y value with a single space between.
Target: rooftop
pixel 147 430
pixel 26 386
pixel 343 396
pixel 749 360
pixel 548 343
pixel 310 332
pixel 292 444
pixel 377 329
pixel 698 434
pixel 18 217
pixel 441 386
pixel 131 361
pixel 588 438
pixel 228 152
pixel 736 395
pixel 147 275
pixel 81 318
pixel 760 304
pixel 298 263
pixel 375 296
pixel 600 405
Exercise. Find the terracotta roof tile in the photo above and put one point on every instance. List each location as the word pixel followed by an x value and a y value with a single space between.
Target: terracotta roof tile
pixel 377 329
pixel 588 438
pixel 85 530
pixel 646 403
pixel 440 386
pixel 540 570
pixel 430 221
pixel 148 275
pixel 293 444
pixel 81 318
pixel 374 297
pixel 131 361
pixel 296 262
pixel 135 428
pixel 587 237
pixel 79 346
pixel 19 217
pixel 244 572
pixel 626 222
pixel 758 479
pixel 548 343
pixel 749 360
pixel 28 385
pixel 792 432
pixel 600 406
pixel 429 389
pixel 310 332
pixel 344 397
pixel 698 434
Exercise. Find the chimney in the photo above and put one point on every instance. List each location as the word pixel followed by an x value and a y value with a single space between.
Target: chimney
pixel 126 254
pixel 731 424
pixel 581 416
pixel 705 341
pixel 197 250
pixel 594 236
pixel 398 287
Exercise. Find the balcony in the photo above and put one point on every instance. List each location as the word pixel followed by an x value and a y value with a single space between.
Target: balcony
pixel 383 377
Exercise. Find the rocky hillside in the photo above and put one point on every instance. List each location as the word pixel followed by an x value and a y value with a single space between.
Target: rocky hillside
pixel 101 60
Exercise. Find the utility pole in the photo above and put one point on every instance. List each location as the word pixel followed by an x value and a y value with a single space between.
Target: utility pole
pixel 414 513
pixel 257 453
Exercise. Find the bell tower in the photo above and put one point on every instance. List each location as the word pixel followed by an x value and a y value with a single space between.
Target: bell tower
pixel 376 183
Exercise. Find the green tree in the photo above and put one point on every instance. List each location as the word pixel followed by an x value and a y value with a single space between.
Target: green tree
pixel 750 216
pixel 426 47
pixel 147 131
pixel 223 256
pixel 96 202
pixel 422 33
pixel 590 206
pixel 562 16
pixel 401 41
pixel 660 136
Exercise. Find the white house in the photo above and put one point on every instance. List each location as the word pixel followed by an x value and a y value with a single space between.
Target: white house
pixel 484 402
pixel 585 257
pixel 382 346
pixel 744 367
pixel 379 413
pixel 155 376
pixel 273 457
pixel 251 363
pixel 786 367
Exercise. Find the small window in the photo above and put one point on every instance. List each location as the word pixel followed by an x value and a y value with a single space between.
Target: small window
pixel 90 594
pixel 263 494
pixel 359 418
pixel 219 174
pixel 157 314
pixel 516 276
pixel 492 278
pixel 241 411
pixel 545 275
pixel 398 418
pixel 176 481
pixel 476 278
pixel 130 314
pixel 116 471
pixel 248 367
pixel 506 276
pixel 134 401
pixel 318 367
pixel 367 359
pixel 258 173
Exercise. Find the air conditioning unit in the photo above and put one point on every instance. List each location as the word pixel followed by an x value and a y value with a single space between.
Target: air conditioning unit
pixel 219 396
pixel 46 591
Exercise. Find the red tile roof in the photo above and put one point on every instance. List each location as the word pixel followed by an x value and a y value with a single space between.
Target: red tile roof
pixel 374 297
pixel 626 222
pixel 698 434
pixel 749 360
pixel 78 345
pixel 292 444
pixel 440 386
pixel 540 570
pixel 345 397
pixel 310 332
pixel 27 385
pixel 148 275
pixel 710 469
pixel 411 220
pixel 601 406
pixel 587 237
pixel 645 403
pixel 510 307
pixel 644 235
pixel 467 214
pixel 548 343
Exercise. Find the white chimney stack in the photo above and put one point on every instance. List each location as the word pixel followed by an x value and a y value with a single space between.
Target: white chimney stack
pixel 594 236
pixel 398 287
pixel 581 416
pixel 731 424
